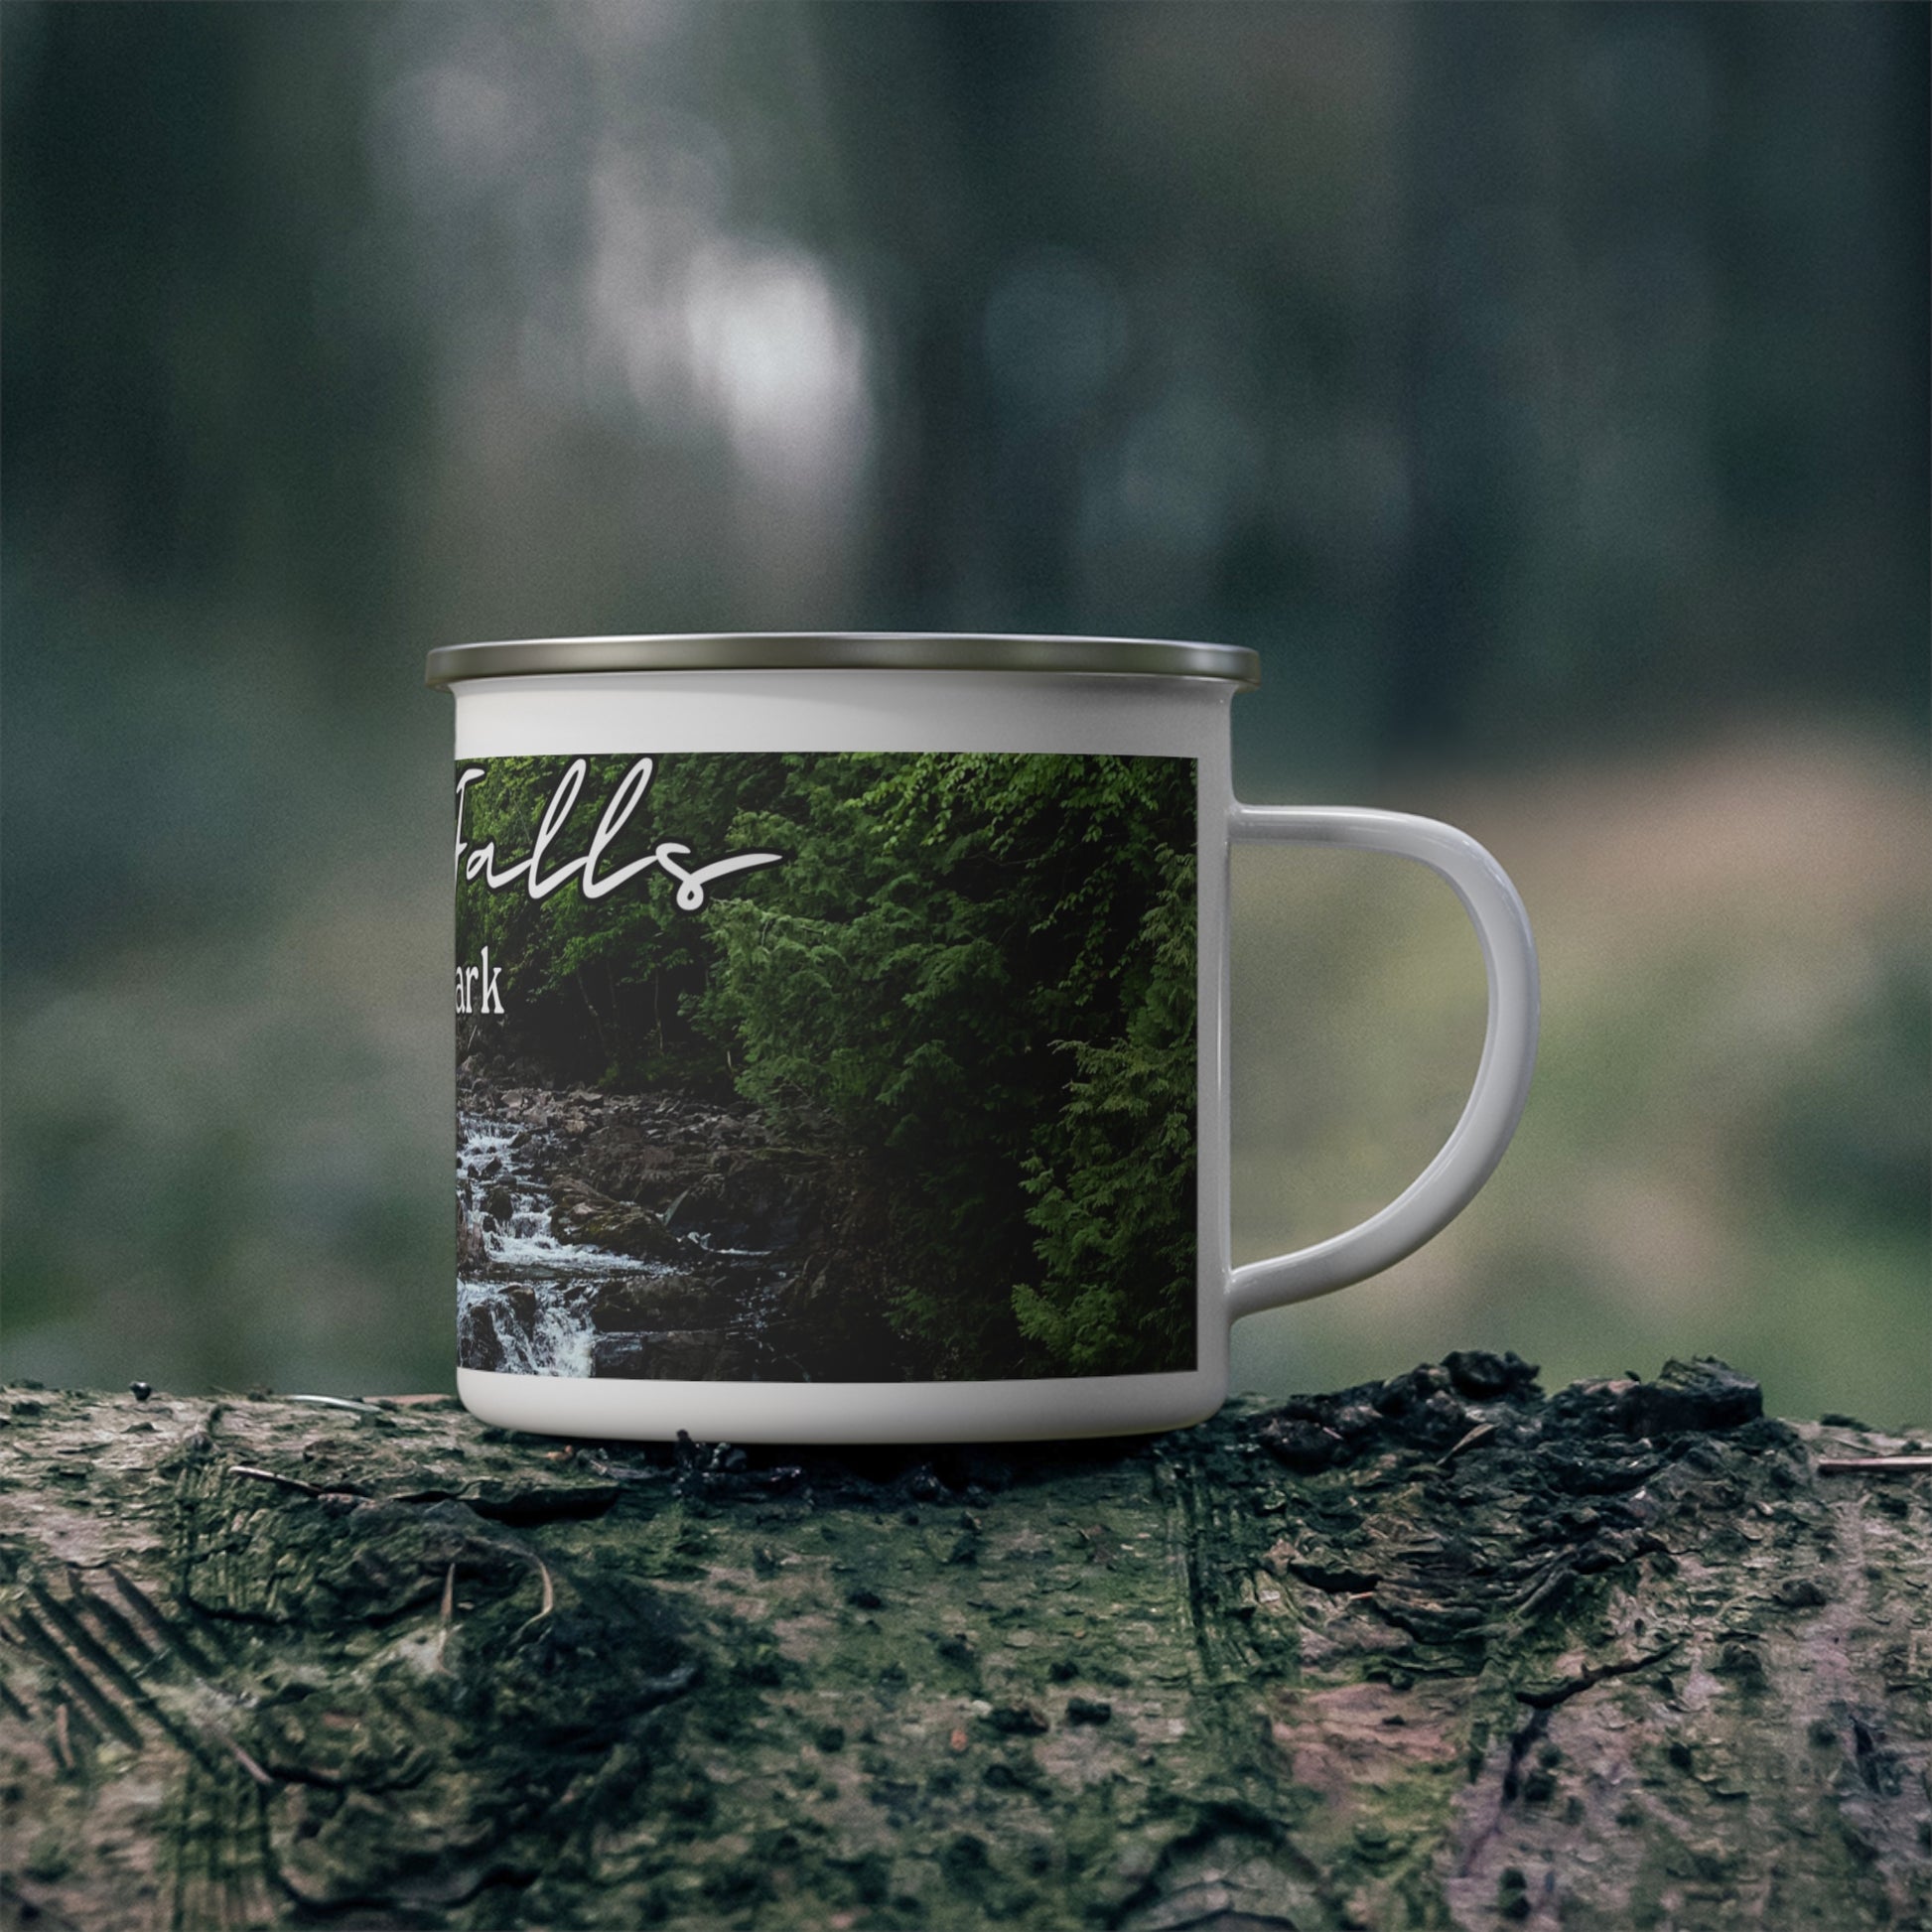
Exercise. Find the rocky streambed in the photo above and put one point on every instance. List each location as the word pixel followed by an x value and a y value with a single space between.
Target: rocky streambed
pixel 652 1235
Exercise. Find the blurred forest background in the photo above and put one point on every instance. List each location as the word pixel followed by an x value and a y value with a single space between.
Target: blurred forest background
pixel 1541 391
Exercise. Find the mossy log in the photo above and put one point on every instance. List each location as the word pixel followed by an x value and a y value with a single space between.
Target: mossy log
pixel 1438 1652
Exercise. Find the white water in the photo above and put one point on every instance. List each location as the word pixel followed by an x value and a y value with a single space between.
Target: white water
pixel 563 1276
pixel 562 1342
pixel 528 1246
pixel 531 1308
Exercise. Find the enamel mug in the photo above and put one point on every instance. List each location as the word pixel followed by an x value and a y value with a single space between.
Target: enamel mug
pixel 841 1035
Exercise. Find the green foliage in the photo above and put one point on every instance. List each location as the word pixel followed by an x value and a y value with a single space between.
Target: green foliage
pixel 600 989
pixel 1115 1174
pixel 974 972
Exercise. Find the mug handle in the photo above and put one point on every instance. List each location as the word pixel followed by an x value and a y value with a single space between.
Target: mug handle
pixel 1468 1156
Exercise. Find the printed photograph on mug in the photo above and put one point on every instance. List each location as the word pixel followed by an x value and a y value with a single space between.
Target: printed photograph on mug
pixel 833 1067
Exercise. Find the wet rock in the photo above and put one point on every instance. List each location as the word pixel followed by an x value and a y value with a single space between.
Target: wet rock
pixel 654 1303
pixel 674 1354
pixel 584 1216
pixel 472 1251
pixel 748 1203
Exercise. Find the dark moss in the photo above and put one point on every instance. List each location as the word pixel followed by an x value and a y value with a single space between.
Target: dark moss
pixel 1302 1442
pixel 1017 1720
pixel 525 1740
pixel 1801 1593
pixel 1483 1377
pixel 1741 1660
pixel 1704 1394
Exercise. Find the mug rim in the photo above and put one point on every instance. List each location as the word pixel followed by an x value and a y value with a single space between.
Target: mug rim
pixel 843 651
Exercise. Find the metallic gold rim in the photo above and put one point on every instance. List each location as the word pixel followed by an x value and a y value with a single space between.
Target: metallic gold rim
pixel 842 652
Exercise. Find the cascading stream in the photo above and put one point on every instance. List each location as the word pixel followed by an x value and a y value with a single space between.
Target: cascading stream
pixel 531 1302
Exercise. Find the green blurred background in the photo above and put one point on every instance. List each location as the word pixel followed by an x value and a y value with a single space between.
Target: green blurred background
pixel 1541 391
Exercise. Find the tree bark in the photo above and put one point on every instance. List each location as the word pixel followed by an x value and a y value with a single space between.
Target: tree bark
pixel 1442 1651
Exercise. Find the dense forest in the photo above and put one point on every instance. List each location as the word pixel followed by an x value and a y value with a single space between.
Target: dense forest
pixel 970 977
pixel 1540 390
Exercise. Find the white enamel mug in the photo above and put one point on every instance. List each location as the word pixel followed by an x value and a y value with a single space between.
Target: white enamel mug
pixel 768 942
